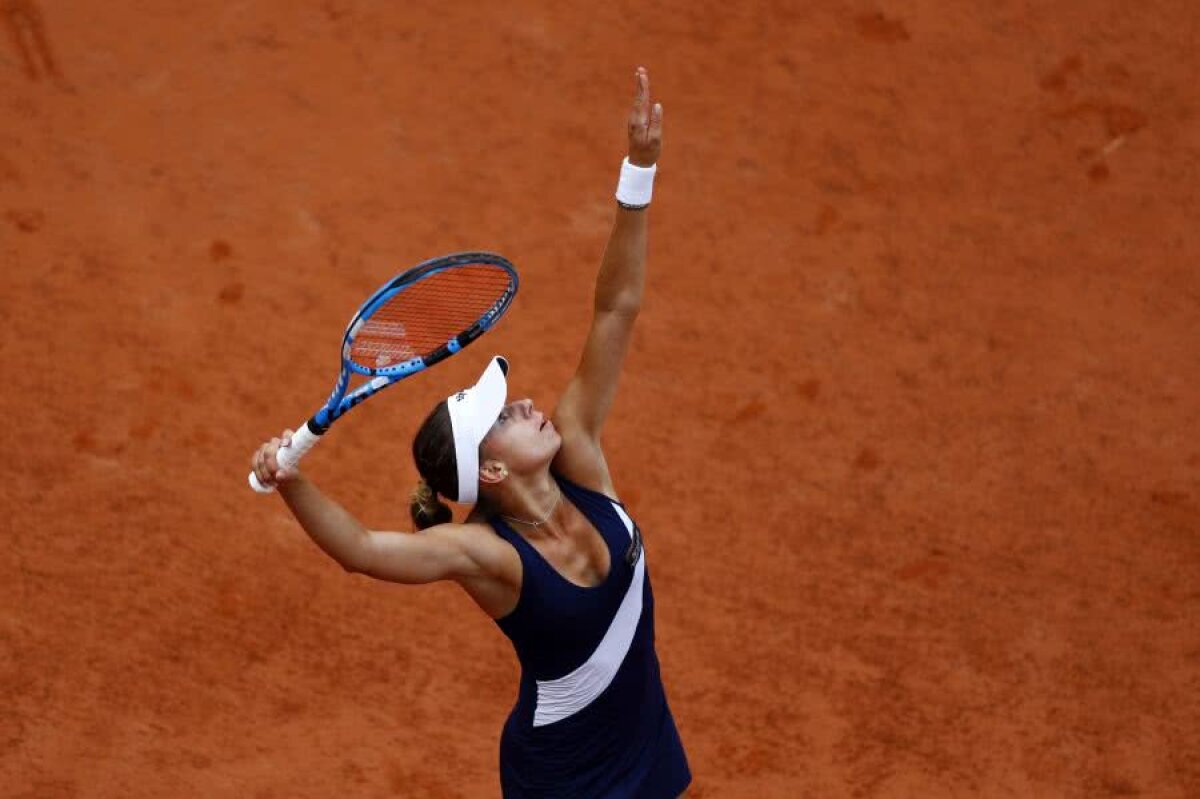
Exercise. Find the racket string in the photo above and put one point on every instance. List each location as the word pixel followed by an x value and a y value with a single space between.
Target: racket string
pixel 424 316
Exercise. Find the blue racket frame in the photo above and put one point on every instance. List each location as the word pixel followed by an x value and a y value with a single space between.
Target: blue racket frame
pixel 340 402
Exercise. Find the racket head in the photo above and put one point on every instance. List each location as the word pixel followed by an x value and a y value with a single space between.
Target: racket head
pixel 428 313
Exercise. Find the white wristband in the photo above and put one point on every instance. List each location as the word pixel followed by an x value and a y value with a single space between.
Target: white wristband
pixel 636 185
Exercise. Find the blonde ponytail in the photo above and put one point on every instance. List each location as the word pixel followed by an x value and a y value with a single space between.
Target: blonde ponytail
pixel 426 509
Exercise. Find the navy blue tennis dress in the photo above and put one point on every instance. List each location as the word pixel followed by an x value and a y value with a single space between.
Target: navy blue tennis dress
pixel 591 719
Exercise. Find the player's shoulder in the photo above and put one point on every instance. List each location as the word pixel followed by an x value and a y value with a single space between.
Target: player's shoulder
pixel 467 530
pixel 475 527
pixel 475 536
pixel 494 556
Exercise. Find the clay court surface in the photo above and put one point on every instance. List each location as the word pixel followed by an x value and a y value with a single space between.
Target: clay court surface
pixel 910 422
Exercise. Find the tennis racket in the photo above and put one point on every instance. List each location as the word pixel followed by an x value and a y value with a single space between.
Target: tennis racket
pixel 417 319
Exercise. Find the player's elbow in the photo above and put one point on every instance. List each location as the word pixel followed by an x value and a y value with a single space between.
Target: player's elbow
pixel 626 305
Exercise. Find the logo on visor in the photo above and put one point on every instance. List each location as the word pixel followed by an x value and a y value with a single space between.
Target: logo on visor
pixel 460 396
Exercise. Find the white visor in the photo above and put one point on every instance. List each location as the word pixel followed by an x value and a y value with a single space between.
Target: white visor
pixel 473 411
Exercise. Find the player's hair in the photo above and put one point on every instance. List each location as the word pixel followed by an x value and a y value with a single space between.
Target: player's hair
pixel 433 452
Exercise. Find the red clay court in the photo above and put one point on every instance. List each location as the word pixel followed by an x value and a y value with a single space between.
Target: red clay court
pixel 910 421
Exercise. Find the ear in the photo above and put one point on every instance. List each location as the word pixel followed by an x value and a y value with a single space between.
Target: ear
pixel 492 472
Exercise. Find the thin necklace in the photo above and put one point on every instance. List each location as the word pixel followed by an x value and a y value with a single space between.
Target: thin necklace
pixel 544 518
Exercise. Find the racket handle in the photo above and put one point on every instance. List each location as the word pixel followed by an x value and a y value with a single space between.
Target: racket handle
pixel 287 457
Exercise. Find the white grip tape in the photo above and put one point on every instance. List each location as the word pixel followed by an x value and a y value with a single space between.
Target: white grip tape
pixel 287 457
pixel 636 184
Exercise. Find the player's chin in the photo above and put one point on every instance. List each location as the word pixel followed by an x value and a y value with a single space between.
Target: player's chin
pixel 549 432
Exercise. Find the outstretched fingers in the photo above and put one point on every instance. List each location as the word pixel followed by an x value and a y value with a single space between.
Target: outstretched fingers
pixel 639 115
pixel 645 124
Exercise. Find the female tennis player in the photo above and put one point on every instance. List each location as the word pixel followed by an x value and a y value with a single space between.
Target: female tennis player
pixel 547 550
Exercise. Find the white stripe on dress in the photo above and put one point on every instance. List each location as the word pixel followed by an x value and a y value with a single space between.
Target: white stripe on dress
pixel 567 695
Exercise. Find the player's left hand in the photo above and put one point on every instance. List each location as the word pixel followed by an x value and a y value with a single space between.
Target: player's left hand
pixel 645 124
pixel 265 465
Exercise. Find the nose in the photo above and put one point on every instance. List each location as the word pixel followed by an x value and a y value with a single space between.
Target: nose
pixel 526 406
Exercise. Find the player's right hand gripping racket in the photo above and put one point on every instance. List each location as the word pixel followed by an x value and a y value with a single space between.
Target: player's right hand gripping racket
pixel 418 318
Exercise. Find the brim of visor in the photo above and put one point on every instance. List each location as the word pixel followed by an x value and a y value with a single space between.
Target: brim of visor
pixel 473 411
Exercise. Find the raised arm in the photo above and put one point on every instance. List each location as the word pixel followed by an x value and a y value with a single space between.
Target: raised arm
pixel 584 405
pixel 443 552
